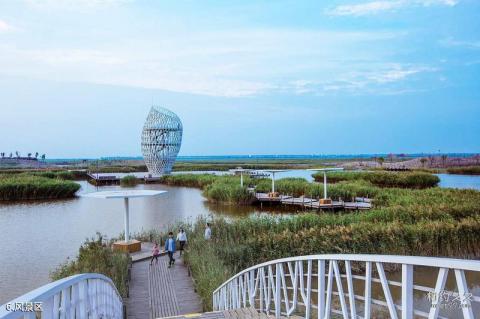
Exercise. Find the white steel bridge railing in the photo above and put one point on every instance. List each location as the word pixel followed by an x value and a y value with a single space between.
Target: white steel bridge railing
pixel 78 296
pixel 356 286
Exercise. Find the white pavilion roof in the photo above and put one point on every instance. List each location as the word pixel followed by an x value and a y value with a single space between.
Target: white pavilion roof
pixel 124 193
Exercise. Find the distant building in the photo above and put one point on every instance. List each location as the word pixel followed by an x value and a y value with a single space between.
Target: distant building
pixel 161 140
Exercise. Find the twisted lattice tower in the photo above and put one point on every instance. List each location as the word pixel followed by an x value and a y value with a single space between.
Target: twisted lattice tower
pixel 161 140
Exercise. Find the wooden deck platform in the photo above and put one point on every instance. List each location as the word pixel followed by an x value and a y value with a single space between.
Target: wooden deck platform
pixel 158 291
pixel 114 178
pixel 305 202
pixel 241 313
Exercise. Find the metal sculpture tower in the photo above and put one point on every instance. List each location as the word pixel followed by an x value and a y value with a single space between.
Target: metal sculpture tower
pixel 161 140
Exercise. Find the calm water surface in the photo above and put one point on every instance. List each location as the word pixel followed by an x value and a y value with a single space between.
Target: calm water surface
pixel 37 236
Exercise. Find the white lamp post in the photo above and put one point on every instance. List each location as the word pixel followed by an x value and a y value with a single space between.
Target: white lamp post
pixel 325 170
pixel 241 171
pixel 127 245
pixel 272 174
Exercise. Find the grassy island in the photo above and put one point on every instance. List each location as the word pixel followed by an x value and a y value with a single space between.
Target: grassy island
pixel 384 179
pixel 128 181
pixel 468 170
pixel 28 186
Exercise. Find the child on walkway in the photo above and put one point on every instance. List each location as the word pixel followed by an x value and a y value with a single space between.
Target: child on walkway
pixel 155 254
pixel 170 249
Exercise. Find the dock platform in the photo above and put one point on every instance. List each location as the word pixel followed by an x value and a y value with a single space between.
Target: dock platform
pixel 114 178
pixel 313 203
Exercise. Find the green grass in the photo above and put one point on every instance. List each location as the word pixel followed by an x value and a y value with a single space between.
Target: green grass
pixel 190 180
pixel 228 190
pixel 96 257
pixel 25 186
pixel 128 181
pixel 468 170
pixel 384 179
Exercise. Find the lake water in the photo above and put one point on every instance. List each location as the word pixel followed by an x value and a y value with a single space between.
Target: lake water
pixel 36 236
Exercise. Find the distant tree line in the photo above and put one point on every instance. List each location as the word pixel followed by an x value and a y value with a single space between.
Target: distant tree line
pixel 17 155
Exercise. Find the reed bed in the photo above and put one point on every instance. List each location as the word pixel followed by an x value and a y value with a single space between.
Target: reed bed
pixel 384 179
pixel 26 186
pixel 96 256
pixel 189 180
pixel 468 170
pixel 128 181
pixel 228 192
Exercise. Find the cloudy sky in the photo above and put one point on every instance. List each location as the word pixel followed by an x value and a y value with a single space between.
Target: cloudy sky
pixel 77 78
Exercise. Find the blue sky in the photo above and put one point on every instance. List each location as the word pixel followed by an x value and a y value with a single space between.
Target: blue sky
pixel 77 78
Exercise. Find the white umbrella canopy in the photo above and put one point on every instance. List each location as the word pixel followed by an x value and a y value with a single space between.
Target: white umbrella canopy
pixel 126 195
pixel 129 193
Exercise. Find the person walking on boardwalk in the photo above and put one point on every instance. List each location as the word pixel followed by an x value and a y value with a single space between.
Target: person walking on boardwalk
pixel 182 239
pixel 208 232
pixel 170 249
pixel 155 254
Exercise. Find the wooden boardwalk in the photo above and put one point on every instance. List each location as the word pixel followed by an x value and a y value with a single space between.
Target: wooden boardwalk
pixel 241 313
pixel 313 203
pixel 158 291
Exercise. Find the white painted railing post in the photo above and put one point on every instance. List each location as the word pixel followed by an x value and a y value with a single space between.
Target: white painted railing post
pixel 368 290
pixel 277 302
pixel 351 292
pixel 439 286
pixel 82 289
pixel 308 302
pixel 386 291
pixel 463 294
pixel 407 291
pixel 321 289
pixel 261 287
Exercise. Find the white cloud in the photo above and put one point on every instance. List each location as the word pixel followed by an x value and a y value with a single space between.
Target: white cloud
pixel 365 8
pixel 397 73
pixel 383 79
pixel 68 57
pixel 74 5
pixel 375 7
pixel 450 42
pixel 4 26
pixel 219 63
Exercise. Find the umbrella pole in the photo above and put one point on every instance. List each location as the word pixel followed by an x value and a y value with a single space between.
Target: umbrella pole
pixel 127 226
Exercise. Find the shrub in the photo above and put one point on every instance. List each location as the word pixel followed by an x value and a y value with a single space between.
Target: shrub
pixel 96 257
pixel 227 192
pixel 128 181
